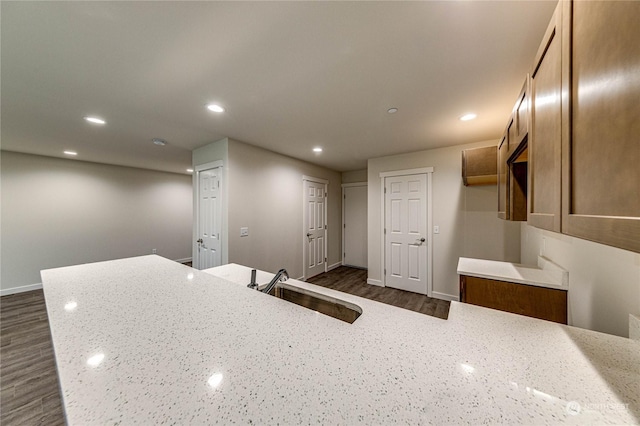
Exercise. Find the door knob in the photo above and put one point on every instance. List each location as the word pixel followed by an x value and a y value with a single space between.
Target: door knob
pixel 422 240
pixel 199 241
pixel 308 234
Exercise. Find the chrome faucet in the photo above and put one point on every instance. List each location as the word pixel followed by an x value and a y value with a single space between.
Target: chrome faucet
pixel 253 283
pixel 282 275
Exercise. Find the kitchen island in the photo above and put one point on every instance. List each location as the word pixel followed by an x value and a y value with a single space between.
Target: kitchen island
pixel 147 340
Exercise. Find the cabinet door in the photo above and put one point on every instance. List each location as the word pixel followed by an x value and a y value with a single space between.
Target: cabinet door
pixel 601 124
pixel 521 114
pixel 503 154
pixel 545 136
pixel 512 138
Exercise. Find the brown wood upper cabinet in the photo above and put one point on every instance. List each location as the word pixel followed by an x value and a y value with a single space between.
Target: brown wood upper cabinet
pixel 543 195
pixel 479 166
pixel 582 112
pixel 512 162
pixel 601 122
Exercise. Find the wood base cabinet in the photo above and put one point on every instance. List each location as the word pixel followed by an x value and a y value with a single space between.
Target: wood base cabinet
pixel 538 302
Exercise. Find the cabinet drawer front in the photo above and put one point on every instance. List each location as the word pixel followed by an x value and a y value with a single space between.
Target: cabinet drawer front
pixel 537 302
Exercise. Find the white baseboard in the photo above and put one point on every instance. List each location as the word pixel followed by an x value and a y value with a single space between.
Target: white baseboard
pixel 14 290
pixel 444 296
pixel 188 259
pixel 334 266
pixel 374 282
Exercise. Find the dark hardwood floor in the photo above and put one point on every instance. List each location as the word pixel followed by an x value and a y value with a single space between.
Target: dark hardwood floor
pixel 354 281
pixel 28 379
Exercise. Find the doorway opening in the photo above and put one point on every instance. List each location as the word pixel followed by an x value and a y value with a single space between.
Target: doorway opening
pixel 354 225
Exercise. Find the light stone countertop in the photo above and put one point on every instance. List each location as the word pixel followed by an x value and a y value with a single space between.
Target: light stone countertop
pixel 545 274
pixel 146 340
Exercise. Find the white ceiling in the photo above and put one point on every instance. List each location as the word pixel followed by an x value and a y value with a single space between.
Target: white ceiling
pixel 292 75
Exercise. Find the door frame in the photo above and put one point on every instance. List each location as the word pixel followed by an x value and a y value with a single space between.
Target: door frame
pixel 348 185
pixel 429 172
pixel 196 212
pixel 326 222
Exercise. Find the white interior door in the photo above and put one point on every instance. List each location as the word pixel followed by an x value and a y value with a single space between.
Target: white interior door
pixel 406 232
pixel 354 204
pixel 209 218
pixel 315 228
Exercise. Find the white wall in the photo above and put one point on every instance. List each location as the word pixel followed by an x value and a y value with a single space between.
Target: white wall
pixel 354 176
pixel 604 282
pixel 215 151
pixel 265 195
pixel 58 212
pixel 467 216
pixel 485 236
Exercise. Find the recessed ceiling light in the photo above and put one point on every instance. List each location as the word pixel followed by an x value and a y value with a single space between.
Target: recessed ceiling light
pixel 159 142
pixel 95 120
pixel 468 117
pixel 70 153
pixel 317 149
pixel 189 170
pixel 215 108
pixel 392 110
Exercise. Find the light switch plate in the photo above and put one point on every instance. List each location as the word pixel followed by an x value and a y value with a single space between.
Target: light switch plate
pixel 436 229
pixel 244 231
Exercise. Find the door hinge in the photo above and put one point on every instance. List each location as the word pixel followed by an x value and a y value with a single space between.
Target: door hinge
pixel 218 184
pixel 325 259
pixel 345 196
pixel 325 227
pixel 385 189
pixel 385 271
pixel 344 255
pixel 385 231
pixel 344 226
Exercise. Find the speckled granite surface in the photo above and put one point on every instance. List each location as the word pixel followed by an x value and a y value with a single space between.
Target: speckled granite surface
pixel 146 340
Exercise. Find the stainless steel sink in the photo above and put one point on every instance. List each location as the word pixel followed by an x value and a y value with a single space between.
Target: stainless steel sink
pixel 339 309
